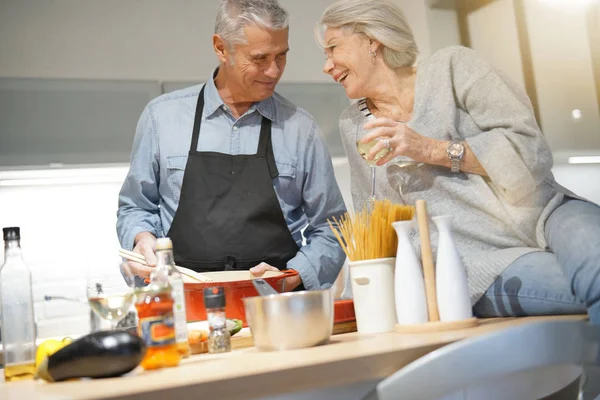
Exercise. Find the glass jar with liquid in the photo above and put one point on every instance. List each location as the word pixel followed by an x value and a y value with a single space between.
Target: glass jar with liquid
pixel 156 327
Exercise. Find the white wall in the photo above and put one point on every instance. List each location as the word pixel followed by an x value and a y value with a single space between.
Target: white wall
pixel 562 64
pixel 563 75
pixel 564 78
pixel 493 34
pixel 147 39
pixel 66 230
pixel 443 32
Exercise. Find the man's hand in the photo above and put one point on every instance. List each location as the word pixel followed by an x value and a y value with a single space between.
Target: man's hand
pixel 145 243
pixel 290 283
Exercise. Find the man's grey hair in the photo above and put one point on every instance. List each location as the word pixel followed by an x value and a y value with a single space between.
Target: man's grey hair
pixel 379 20
pixel 234 15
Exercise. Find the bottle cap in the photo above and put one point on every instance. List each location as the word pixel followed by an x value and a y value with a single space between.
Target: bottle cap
pixel 12 233
pixel 214 297
pixel 164 244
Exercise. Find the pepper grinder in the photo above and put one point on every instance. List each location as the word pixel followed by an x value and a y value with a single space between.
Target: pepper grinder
pixel 219 339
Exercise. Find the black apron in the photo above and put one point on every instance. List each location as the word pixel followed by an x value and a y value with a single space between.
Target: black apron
pixel 229 216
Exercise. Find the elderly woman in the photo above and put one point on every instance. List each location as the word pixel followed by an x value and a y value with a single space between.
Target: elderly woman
pixel 463 137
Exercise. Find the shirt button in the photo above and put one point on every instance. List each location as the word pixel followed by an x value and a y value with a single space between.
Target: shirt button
pixel 235 128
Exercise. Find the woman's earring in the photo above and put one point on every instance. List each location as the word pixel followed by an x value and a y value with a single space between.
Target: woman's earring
pixel 373 54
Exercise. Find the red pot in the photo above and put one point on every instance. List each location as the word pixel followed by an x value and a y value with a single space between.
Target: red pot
pixel 235 291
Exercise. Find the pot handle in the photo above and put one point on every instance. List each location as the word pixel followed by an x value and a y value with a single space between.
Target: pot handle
pixel 288 272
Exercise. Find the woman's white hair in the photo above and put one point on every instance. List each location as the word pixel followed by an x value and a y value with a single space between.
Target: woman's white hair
pixel 234 15
pixel 379 20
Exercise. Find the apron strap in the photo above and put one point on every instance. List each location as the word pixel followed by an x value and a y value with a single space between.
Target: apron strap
pixel 265 147
pixel 197 120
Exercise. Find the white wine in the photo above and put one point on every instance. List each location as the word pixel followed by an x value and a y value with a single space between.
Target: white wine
pixel 112 307
pixel 17 372
pixel 365 148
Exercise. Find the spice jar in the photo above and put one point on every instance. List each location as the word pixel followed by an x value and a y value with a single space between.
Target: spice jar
pixel 219 339
pixel 156 327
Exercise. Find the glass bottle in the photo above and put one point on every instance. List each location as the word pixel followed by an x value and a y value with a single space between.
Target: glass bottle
pixel 18 322
pixel 154 305
pixel 219 339
pixel 166 271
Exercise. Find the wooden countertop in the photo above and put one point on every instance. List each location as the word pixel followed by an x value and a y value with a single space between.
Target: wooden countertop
pixel 248 373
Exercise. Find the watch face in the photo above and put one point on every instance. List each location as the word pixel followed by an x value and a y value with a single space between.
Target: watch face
pixel 455 150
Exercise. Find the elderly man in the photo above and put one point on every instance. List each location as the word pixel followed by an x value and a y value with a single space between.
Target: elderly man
pixel 230 170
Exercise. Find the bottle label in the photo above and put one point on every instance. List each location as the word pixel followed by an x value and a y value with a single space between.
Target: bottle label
pixel 157 331
pixel 179 311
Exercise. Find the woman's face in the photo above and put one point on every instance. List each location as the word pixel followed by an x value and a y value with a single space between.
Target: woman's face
pixel 348 60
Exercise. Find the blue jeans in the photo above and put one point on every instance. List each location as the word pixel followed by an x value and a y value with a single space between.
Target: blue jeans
pixel 563 281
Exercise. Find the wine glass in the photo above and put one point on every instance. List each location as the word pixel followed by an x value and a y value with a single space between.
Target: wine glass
pixel 110 292
pixel 401 162
pixel 363 151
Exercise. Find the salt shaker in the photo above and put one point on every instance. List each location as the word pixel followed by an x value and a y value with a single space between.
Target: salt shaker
pixel 219 339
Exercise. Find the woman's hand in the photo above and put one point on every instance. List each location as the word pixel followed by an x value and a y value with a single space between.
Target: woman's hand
pixel 403 141
pixel 400 139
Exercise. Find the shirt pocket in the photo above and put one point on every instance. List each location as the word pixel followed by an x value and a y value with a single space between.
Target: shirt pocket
pixel 286 185
pixel 175 169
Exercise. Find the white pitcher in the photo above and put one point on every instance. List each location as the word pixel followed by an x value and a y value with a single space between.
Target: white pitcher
pixel 409 287
pixel 454 302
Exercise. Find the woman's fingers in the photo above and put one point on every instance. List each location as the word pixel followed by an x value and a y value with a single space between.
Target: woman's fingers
pixel 387 157
pixel 380 122
pixel 384 143
pixel 380 132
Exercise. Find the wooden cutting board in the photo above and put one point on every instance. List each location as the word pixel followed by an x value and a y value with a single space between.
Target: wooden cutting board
pixel 225 276
pixel 243 338
pixel 240 340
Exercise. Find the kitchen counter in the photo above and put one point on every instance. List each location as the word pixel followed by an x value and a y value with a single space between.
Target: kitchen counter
pixel 247 373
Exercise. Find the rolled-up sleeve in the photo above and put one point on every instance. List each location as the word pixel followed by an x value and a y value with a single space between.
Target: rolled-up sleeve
pixel 511 147
pixel 139 197
pixel 320 260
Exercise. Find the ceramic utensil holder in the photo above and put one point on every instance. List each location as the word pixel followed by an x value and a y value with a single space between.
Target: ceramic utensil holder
pixel 373 290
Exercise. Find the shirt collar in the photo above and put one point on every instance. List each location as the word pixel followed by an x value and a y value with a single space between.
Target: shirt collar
pixel 212 101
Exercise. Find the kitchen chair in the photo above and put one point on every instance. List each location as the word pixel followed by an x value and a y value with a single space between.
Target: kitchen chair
pixel 541 360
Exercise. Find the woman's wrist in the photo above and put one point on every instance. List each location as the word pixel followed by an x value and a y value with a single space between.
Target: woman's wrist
pixel 437 154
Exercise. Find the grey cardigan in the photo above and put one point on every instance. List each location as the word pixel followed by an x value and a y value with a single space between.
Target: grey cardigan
pixel 495 219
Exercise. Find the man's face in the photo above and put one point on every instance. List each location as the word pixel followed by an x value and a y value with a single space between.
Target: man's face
pixel 257 65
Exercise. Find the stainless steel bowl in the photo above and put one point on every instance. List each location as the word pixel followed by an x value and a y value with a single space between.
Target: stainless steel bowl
pixel 290 320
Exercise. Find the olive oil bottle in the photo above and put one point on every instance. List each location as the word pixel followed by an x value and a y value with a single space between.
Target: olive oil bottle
pixel 166 273
pixel 18 322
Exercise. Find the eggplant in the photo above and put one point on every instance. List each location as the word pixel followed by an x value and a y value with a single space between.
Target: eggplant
pixel 101 354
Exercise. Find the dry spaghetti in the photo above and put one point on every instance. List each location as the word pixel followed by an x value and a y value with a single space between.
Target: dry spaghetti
pixel 369 234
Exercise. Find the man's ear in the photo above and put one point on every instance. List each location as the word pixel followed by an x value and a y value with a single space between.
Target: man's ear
pixel 220 48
